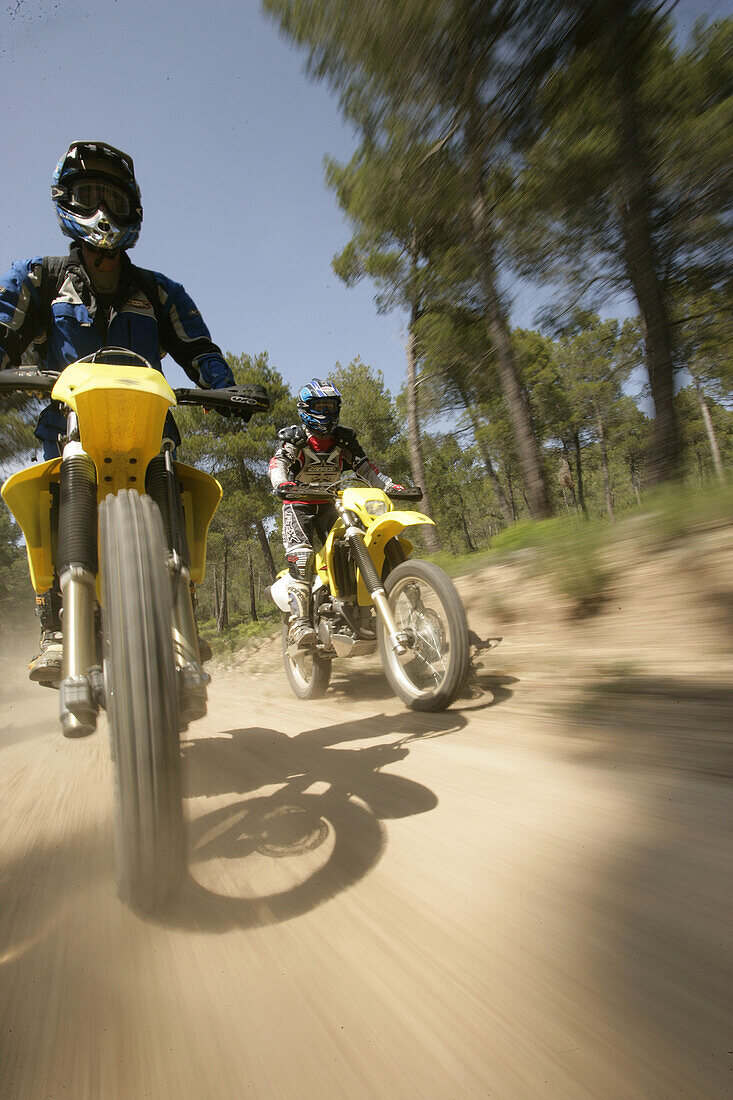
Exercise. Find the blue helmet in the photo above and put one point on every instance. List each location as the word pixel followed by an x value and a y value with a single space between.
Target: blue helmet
pixel 96 196
pixel 319 405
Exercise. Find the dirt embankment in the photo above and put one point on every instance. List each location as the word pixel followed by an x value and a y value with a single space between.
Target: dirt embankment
pixel 523 897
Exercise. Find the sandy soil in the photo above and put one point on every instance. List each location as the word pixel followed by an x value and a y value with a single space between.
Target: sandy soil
pixel 529 895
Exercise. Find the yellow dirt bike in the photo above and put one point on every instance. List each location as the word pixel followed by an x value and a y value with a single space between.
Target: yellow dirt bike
pixel 368 593
pixel 117 522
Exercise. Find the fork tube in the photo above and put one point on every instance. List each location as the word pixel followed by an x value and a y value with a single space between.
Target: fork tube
pixel 162 485
pixel 374 586
pixel 77 569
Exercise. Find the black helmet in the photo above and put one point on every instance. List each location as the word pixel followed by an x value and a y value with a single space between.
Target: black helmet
pixel 96 196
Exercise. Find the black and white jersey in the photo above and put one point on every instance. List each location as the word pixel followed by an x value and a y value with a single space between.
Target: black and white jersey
pixel 308 460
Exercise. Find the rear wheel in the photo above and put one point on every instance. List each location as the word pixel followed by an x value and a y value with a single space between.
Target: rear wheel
pixel 142 700
pixel 427 608
pixel 308 673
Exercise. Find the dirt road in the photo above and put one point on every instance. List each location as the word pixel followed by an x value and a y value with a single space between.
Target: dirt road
pixel 529 895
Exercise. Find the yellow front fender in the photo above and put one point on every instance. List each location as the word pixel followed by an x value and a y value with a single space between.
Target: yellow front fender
pixel 385 527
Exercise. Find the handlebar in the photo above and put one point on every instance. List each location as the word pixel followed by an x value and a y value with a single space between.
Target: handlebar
pixel 410 492
pixel 27 381
pixel 241 401
pixel 305 495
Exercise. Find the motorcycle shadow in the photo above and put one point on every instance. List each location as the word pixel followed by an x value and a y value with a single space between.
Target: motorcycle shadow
pixel 274 855
pixel 485 690
pixel 360 684
pixel 371 684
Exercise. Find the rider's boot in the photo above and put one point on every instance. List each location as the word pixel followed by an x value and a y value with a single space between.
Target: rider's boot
pixel 45 668
pixel 300 632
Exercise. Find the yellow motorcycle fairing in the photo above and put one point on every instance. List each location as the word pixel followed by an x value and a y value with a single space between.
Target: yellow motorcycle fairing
pixel 324 557
pixel 200 494
pixel 121 412
pixel 28 496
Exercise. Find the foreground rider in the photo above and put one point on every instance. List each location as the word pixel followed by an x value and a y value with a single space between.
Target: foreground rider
pixel 71 306
pixel 314 453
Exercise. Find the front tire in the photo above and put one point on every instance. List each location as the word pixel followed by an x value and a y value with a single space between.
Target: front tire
pixel 308 673
pixel 428 609
pixel 142 700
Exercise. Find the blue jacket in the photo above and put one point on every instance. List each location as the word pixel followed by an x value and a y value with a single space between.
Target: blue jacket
pixel 51 301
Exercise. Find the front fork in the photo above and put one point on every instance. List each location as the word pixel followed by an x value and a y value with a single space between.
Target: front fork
pixel 81 687
pixel 355 537
pixel 81 690
pixel 162 485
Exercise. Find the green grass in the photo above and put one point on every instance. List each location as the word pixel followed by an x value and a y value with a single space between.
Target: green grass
pixel 673 512
pixel 238 635
pixel 571 551
pixel 457 564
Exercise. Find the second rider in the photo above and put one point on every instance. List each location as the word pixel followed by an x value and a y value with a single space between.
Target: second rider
pixel 314 453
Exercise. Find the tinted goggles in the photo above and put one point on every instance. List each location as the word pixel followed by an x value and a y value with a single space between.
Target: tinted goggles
pixel 323 405
pixel 90 194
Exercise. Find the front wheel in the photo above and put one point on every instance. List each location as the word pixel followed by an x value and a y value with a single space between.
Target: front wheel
pixel 428 610
pixel 308 673
pixel 142 700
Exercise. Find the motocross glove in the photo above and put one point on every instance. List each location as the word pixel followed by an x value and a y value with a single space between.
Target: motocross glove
pixel 285 487
pixel 215 372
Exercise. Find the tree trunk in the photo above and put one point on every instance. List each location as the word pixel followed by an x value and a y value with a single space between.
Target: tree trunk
pixel 252 600
pixel 223 619
pixel 486 457
pixel 635 482
pixel 512 501
pixel 570 483
pixel 413 430
pixel 477 155
pixel 639 251
pixel 245 480
pixel 579 474
pixel 514 395
pixel 216 597
pixel 467 534
pixel 604 467
pixel 712 438
pixel 266 549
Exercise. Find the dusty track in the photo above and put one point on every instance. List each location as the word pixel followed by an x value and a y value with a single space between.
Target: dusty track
pixel 526 896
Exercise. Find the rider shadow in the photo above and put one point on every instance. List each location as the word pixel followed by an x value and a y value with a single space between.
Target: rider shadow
pixel 302 847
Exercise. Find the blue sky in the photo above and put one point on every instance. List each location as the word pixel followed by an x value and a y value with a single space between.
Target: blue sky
pixel 228 137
